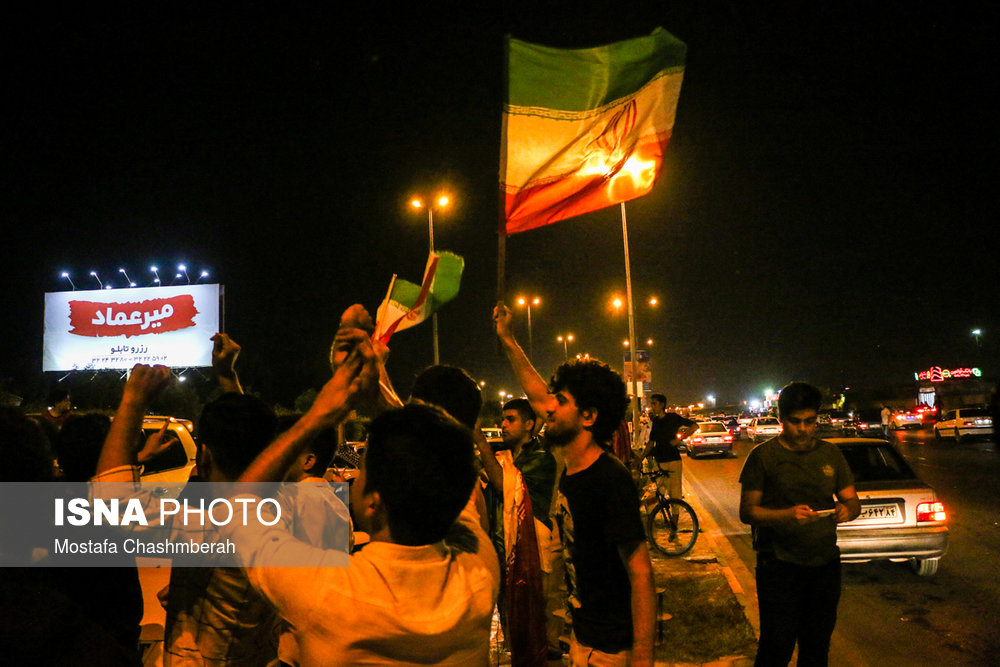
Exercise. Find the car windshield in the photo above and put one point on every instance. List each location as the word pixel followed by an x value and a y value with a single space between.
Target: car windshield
pixel 769 421
pixel 876 463
pixel 974 412
pixel 712 427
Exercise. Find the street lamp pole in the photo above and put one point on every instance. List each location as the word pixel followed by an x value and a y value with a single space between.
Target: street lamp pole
pixel 565 340
pixel 524 301
pixel 631 334
pixel 442 201
pixel 434 315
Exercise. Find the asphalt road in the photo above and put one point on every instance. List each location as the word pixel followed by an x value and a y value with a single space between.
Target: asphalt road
pixel 888 615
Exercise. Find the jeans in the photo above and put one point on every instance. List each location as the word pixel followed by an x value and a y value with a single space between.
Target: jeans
pixel 797 603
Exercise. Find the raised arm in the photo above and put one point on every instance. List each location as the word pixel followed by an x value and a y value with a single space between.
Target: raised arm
pixel 531 382
pixel 224 353
pixel 121 447
pixel 354 377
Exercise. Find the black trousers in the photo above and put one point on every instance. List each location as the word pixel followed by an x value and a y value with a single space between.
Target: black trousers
pixel 797 604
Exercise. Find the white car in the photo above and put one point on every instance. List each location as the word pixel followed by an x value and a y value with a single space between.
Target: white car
pixel 901 517
pixel 763 428
pixel 963 423
pixel 710 438
pixel 902 419
pixel 174 465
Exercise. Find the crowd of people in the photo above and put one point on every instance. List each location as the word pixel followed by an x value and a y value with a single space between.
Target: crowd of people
pixel 439 532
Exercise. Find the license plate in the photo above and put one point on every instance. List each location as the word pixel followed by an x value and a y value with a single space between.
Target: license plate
pixel 880 513
pixel 713 439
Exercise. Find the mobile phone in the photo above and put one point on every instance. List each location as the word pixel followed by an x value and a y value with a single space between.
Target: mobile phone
pixel 825 512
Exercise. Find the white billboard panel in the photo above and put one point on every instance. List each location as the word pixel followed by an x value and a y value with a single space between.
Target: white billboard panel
pixel 119 328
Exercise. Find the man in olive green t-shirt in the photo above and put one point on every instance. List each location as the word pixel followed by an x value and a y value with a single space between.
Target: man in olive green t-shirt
pixel 796 489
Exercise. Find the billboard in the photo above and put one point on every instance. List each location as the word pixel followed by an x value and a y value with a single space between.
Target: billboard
pixel 119 328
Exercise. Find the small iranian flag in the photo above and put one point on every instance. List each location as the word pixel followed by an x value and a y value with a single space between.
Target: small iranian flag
pixel 407 304
pixel 585 128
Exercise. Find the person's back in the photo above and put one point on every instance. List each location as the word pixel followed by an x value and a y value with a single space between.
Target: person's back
pixel 407 596
pixel 213 615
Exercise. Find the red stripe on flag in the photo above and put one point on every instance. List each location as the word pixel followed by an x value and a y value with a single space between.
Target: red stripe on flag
pixel 425 289
pixel 576 194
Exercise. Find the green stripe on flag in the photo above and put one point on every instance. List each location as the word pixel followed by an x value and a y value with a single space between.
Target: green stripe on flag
pixel 447 279
pixel 582 79
pixel 405 293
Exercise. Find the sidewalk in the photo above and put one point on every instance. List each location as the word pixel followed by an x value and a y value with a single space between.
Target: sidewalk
pixel 707 618
pixel 714 619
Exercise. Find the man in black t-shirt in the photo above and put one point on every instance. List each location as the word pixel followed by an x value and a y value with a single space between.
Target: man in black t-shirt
pixel 609 575
pixel 666 433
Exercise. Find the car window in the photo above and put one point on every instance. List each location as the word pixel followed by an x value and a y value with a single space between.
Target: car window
pixel 713 427
pixel 172 457
pixel 974 412
pixel 769 421
pixel 949 415
pixel 876 463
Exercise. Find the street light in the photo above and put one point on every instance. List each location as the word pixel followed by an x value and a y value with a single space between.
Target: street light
pixel 565 340
pixel 181 267
pixel 97 278
pixel 156 273
pixel 65 274
pixel 441 202
pixel 528 302
pixel 977 333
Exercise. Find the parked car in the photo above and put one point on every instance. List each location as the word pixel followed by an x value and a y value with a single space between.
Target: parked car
pixel 762 428
pixel 901 517
pixel 964 423
pixel 174 464
pixel 903 419
pixel 493 435
pixel 710 438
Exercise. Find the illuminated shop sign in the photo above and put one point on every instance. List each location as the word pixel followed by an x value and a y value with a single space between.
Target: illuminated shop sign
pixel 938 374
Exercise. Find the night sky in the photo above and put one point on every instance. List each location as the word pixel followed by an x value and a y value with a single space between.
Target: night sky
pixel 826 211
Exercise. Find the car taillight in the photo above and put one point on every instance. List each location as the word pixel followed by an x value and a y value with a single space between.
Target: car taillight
pixel 728 438
pixel 968 422
pixel 697 439
pixel 931 512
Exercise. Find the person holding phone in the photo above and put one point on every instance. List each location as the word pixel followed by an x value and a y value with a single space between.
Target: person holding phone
pixel 796 488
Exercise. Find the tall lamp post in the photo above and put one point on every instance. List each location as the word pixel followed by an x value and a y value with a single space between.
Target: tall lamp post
pixel 565 340
pixel 440 202
pixel 528 302
pixel 977 333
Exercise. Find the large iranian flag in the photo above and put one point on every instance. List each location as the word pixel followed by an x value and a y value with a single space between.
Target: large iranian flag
pixel 585 128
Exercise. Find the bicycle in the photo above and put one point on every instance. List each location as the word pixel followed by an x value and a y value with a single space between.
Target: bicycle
pixel 671 525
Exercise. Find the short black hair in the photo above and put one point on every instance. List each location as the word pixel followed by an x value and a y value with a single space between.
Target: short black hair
pixel 421 461
pixel 451 389
pixel 594 386
pixel 56 395
pixel 523 408
pixel 78 445
pixel 236 428
pixel 24 449
pixel 322 446
pixel 660 398
pixel 797 396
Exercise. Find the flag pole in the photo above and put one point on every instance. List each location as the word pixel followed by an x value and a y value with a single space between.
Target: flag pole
pixel 633 352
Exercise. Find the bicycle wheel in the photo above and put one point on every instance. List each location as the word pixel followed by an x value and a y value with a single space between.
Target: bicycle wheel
pixel 672 527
